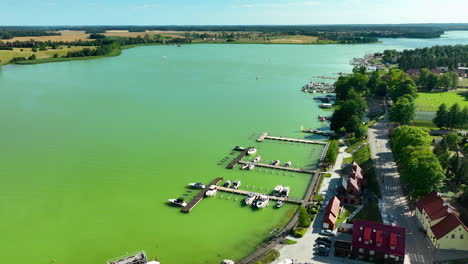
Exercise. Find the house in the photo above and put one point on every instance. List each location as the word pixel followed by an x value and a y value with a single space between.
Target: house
pixel 413 72
pixel 462 72
pixel 352 179
pixel 441 222
pixel 378 242
pixel 437 71
pixel 331 213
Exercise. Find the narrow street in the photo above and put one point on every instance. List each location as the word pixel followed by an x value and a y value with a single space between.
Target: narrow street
pixel 418 247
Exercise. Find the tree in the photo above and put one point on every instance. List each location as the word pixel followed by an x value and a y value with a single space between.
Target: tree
pixel 332 152
pixel 452 141
pixel 404 110
pixel 409 136
pixel 454 117
pixel 400 84
pixel 304 218
pixel 441 117
pixel 353 124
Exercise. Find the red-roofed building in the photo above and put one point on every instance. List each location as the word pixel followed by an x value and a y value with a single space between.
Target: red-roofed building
pixel 413 72
pixel 441 222
pixel 378 242
pixel 331 213
pixel 352 181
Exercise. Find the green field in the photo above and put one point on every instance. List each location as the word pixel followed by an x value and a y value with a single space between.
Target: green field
pixel 432 101
pixel 464 82
pixel 7 55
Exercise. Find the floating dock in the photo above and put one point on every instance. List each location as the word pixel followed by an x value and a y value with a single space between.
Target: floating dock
pixel 243 192
pixel 237 159
pixel 278 167
pixel 200 196
pixel 304 141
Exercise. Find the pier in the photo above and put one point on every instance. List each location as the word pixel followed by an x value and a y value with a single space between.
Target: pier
pixel 243 192
pixel 266 135
pixel 278 167
pixel 200 196
pixel 238 158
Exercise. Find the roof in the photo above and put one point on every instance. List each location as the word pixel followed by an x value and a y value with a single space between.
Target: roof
pixel 344 237
pixel 445 226
pixel 352 175
pixel 413 72
pixel 368 235
pixel 332 211
pixel 434 206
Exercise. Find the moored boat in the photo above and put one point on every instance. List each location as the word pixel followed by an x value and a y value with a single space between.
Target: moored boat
pixel 251 166
pixel 287 164
pixel 250 198
pixel 279 204
pixel 275 162
pixel 262 201
pixel 257 159
pixel 239 148
pixel 285 191
pixel 251 151
pixel 211 191
pixel 227 184
pixel 178 202
pixel 277 190
pixel 245 166
pixel 236 185
pixel 197 185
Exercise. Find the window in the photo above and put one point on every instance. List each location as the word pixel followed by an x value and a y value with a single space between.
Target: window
pixel 453 236
pixel 397 258
pixel 361 250
pixel 386 256
pixel 372 252
pixel 461 236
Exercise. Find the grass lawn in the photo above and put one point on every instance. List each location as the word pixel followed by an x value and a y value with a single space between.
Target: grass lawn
pixel 370 212
pixel 353 143
pixel 347 211
pixel 432 101
pixel 464 82
pixel 268 257
pixel 7 55
pixel 362 157
pixel 347 160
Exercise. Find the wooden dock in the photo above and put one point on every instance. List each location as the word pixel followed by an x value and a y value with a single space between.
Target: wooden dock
pixel 244 192
pixel 266 135
pixel 200 196
pixel 238 158
pixel 278 167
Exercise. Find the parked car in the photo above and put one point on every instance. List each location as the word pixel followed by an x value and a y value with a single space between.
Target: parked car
pixel 391 218
pixel 321 253
pixel 326 239
pixel 322 242
pixel 327 233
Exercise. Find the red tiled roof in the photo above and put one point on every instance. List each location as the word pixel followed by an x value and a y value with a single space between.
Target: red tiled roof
pixel 385 234
pixel 355 183
pixel 434 205
pixel 445 226
pixel 332 211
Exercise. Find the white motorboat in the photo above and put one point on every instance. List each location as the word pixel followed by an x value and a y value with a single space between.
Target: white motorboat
pixel 251 166
pixel 277 190
pixel 275 162
pixel 251 151
pixel 262 201
pixel 178 202
pixel 236 185
pixel 279 204
pixel 250 199
pixel 239 148
pixel 287 164
pixel 197 185
pixel 257 159
pixel 245 166
pixel 227 184
pixel 285 191
pixel 211 191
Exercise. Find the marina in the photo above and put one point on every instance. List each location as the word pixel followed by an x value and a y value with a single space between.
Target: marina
pixel 244 192
pixel 304 141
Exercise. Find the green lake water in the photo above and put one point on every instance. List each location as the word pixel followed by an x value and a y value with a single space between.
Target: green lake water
pixel 91 150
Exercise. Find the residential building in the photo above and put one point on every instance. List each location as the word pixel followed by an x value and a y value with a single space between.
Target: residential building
pixel 378 242
pixel 441 222
pixel 352 181
pixel 413 72
pixel 331 213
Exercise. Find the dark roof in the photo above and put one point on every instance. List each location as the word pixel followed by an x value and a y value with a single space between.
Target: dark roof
pixel 434 206
pixel 413 72
pixel 445 226
pixel 332 211
pixel 368 235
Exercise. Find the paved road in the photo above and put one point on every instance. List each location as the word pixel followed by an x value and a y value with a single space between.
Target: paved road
pixel 419 249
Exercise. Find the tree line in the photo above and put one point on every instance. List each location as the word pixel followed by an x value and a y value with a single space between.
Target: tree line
pixel 437 56
pixel 432 81
pixel 9 34
pixel 455 117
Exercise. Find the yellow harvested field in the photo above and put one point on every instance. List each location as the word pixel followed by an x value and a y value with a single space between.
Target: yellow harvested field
pixel 299 39
pixel 67 35
pixel 125 33
pixel 7 55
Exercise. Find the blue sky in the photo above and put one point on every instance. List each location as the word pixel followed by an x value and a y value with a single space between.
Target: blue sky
pixel 230 12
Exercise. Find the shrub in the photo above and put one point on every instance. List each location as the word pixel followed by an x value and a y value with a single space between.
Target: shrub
pixel 290 242
pixel 299 232
pixel 304 218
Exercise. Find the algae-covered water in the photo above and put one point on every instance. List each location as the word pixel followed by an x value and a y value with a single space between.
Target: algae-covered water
pixel 91 150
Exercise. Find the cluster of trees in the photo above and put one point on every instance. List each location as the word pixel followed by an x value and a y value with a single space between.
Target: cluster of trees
pixel 9 34
pixel 403 91
pixel 332 152
pixel 17 59
pixel 432 81
pixel 345 38
pixel 455 117
pixel 437 56
pixel 99 51
pixel 420 169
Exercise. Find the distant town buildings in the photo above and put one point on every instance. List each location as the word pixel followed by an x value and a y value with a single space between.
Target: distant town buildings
pixel 331 213
pixel 441 223
pixel 352 181
pixel 372 241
